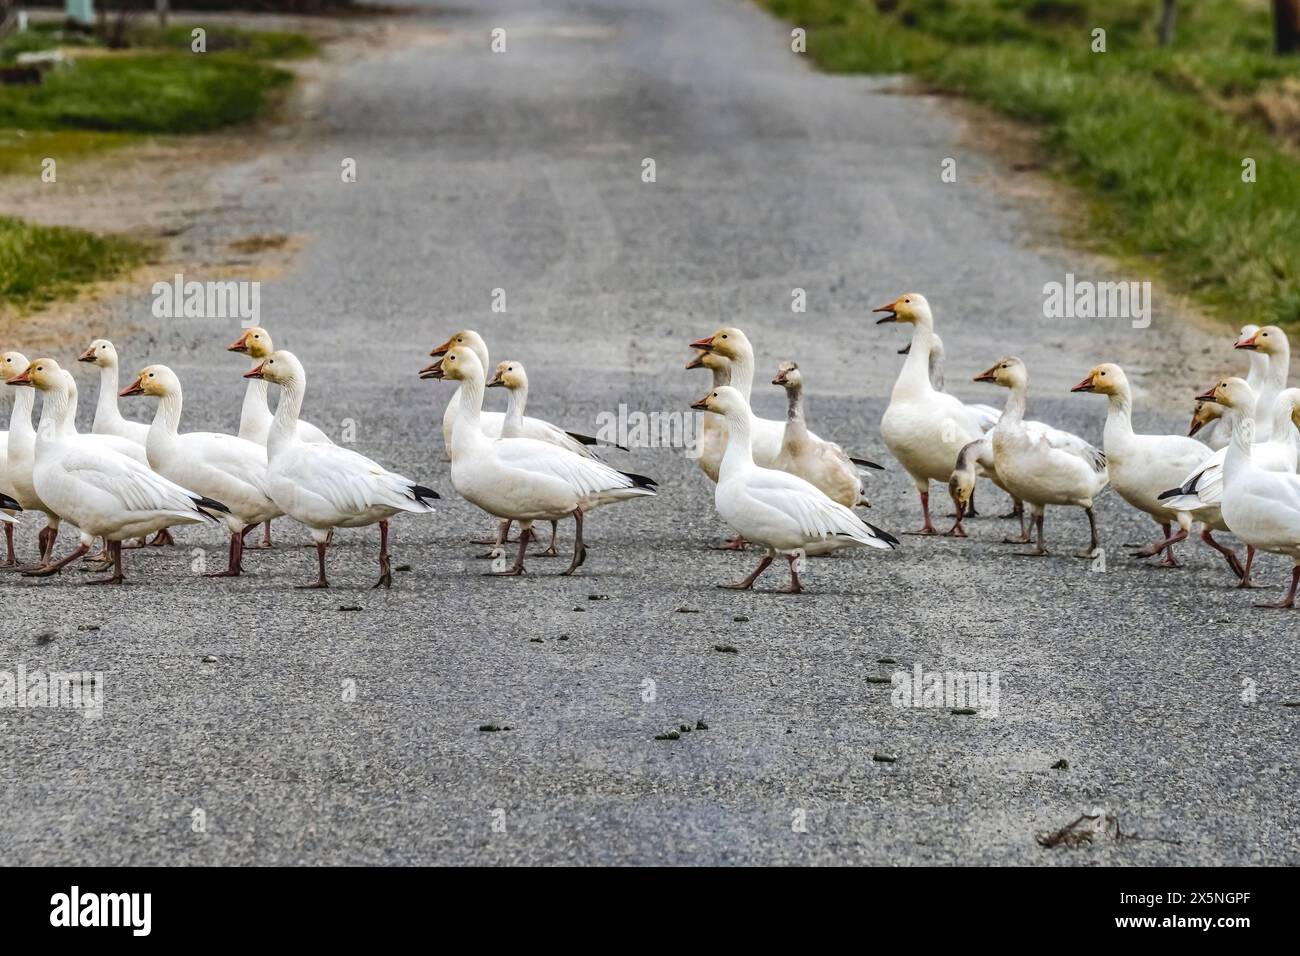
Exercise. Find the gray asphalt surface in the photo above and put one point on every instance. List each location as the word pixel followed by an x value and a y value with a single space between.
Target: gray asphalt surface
pixel 522 171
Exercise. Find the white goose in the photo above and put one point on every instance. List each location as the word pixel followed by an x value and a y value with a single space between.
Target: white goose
pixel 766 433
pixel 20 458
pixel 255 414
pixel 523 479
pixel 102 491
pixel 778 510
pixel 1042 468
pixel 1261 507
pixel 108 418
pixel 823 464
pixel 925 429
pixel 1201 492
pixel 222 467
pixel 492 422
pixel 713 433
pixel 1143 466
pixel 1207 418
pixel 324 486
pixel 1272 343
pixel 987 414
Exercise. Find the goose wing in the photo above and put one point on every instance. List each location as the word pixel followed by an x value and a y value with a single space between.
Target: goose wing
pixel 134 488
pixel 587 476
pixel 816 516
pixel 351 483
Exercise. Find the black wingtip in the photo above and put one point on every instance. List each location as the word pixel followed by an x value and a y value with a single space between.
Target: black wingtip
pixel 865 463
pixel 588 440
pixel 8 504
pixel 421 493
pixel 205 506
pixel 1171 493
pixel 883 535
pixel 641 481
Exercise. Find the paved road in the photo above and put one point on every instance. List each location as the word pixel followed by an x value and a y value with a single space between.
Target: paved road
pixel 521 171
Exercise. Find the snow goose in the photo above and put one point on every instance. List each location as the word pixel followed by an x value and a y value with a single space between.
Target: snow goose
pixel 255 414
pixel 987 414
pixel 1042 467
pixel 1201 492
pixel 924 428
pixel 733 345
pixel 1141 467
pixel 823 464
pixel 491 422
pixel 1261 507
pixel 1272 342
pixel 713 432
pixel 108 418
pixel 523 479
pixel 102 491
pixel 325 486
pixel 778 510
pixel 20 458
pixel 1206 420
pixel 222 467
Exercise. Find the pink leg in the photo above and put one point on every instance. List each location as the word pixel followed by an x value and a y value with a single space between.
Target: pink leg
pixel 1289 600
pixel 385 573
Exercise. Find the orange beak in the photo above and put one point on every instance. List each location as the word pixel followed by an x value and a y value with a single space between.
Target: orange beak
pixel 21 378
pixel 87 356
pixel 1084 386
pixel 702 405
pixel 1249 343
pixel 1196 426
pixel 987 375
pixel 135 388
pixel 432 371
pixel 1209 395
pixel 704 345
pixel 256 372
pixel 442 349
pixel 697 361
pixel 239 345
pixel 892 309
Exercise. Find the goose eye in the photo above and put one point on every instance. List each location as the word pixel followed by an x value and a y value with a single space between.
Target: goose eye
pixel 151 374
pixel 907 301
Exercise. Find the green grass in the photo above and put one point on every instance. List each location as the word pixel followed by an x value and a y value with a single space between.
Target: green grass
pixel 41 263
pixel 98 102
pixel 1155 137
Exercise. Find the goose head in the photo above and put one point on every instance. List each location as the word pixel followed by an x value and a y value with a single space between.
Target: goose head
pixel 1204 413
pixel 255 343
pixel 1009 372
pixel 723 400
pixel 1106 379
pixel 459 364
pixel 44 375
pixel 466 338
pixel 1230 393
pixel 788 376
pixel 1247 331
pixel 155 381
pixel 909 307
pixel 280 368
pixel 509 375
pixel 713 361
pixel 13 364
pixel 730 343
pixel 1270 340
pixel 100 352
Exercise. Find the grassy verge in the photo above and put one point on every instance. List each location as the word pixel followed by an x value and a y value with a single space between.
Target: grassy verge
pixel 1155 136
pixel 104 99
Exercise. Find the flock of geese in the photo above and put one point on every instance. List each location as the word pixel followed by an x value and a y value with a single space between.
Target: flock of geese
pixel 778 484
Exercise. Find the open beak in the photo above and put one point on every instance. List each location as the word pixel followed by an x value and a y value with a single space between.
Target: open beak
pixel 1249 343
pixel 1084 386
pixel 87 356
pixel 702 405
pixel 256 372
pixel 496 381
pixel 135 388
pixel 20 379
pixel 239 345
pixel 433 370
pixel 987 376
pixel 1209 396
pixel 441 350
pixel 704 345
pixel 697 361
pixel 1196 426
pixel 780 379
pixel 892 311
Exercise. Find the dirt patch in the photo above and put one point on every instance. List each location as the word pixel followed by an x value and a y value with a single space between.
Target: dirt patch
pixel 1277 107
